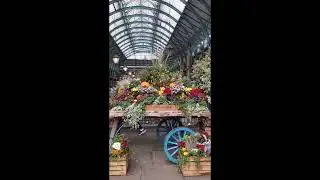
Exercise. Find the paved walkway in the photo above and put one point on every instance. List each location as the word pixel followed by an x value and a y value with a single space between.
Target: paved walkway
pixel 149 162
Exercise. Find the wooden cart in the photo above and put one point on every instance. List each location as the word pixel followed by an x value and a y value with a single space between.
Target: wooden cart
pixel 170 127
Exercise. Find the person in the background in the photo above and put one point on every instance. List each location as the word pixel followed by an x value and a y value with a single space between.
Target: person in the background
pixel 141 129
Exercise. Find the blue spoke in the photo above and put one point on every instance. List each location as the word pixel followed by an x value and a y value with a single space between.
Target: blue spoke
pixel 179 134
pixel 175 138
pixel 170 142
pixel 174 152
pixel 174 147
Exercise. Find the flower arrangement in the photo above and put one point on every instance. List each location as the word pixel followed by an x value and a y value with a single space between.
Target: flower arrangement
pixel 195 147
pixel 156 85
pixel 120 147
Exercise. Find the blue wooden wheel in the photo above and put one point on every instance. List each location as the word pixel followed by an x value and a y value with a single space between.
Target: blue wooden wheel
pixel 171 142
pixel 166 125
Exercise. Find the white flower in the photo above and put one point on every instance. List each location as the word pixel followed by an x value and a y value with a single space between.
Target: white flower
pixel 116 145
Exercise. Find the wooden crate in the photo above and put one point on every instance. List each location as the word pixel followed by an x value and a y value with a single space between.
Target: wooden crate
pixel 119 167
pixel 161 108
pixel 191 168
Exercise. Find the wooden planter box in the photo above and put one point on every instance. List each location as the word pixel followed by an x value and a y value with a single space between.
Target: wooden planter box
pixel 118 167
pixel 161 108
pixel 191 168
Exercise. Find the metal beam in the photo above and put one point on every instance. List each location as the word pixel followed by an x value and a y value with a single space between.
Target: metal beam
pixel 159 1
pixel 140 15
pixel 143 7
pixel 142 47
pixel 143 22
pixel 191 4
pixel 145 42
pixel 143 51
pixel 142 32
pixel 146 39
pixel 143 36
pixel 205 3
pixel 137 44
pixel 201 19
pixel 123 14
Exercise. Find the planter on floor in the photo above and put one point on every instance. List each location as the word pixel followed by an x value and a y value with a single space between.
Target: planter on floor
pixel 119 166
pixel 119 156
pixel 191 168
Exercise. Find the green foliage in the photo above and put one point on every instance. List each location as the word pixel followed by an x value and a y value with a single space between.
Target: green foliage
pixel 133 114
pixel 201 72
pixel 117 138
pixel 159 74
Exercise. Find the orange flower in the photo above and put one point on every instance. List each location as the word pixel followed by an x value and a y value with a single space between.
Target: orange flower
pixel 145 84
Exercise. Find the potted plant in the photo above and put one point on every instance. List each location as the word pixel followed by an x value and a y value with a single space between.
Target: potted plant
pixel 195 155
pixel 119 157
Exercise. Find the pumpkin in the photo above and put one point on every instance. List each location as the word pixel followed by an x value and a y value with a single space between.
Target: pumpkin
pixel 145 84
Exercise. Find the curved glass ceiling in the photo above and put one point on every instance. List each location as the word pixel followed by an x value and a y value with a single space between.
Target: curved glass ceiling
pixel 142 28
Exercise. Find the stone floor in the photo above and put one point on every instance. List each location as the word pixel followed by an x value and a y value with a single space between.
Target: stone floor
pixel 148 161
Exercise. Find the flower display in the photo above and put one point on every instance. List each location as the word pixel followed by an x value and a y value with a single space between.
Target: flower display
pixel 191 147
pixel 156 85
pixel 120 146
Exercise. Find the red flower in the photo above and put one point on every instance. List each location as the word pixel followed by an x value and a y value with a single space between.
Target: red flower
pixel 124 143
pixel 200 147
pixel 206 134
pixel 167 91
pixel 181 144
pixel 197 93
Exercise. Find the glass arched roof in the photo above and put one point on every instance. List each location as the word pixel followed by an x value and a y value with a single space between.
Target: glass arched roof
pixel 142 28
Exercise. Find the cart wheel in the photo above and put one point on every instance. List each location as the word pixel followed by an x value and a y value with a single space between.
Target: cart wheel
pixel 171 142
pixel 166 125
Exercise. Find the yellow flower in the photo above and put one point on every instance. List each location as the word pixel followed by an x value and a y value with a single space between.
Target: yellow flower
pixel 172 84
pixel 120 89
pixel 183 149
pixel 162 88
pixel 160 92
pixel 185 153
pixel 134 89
pixel 188 89
pixel 115 152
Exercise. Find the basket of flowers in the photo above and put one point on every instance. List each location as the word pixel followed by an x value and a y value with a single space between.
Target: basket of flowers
pixel 119 157
pixel 195 155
